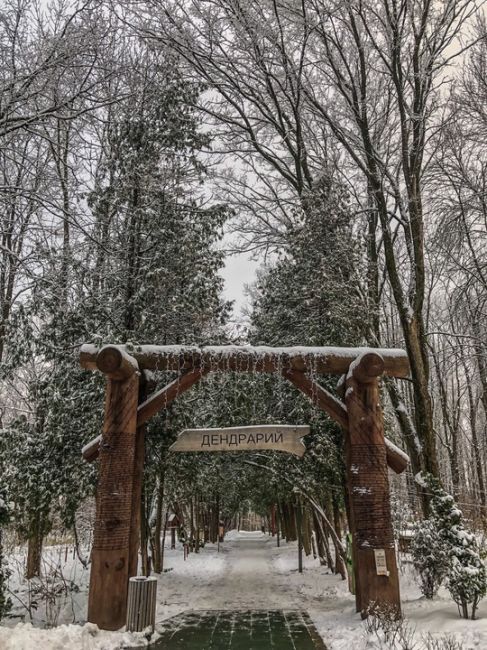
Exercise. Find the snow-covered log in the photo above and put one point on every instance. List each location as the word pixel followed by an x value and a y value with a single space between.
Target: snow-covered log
pixel 321 360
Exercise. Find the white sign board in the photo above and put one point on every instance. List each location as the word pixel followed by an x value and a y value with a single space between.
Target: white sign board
pixel 278 437
pixel 380 562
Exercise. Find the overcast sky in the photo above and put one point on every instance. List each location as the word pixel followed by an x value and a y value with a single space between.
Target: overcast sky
pixel 239 270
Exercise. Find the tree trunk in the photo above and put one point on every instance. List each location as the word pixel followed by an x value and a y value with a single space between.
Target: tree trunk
pixel 34 553
pixel 299 531
pixel 319 533
pixel 163 540
pixel 144 537
pixel 157 530
pixel 475 440
pixel 339 563
pixel 306 532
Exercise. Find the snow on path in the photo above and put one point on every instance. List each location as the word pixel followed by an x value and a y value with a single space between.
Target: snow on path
pixel 244 578
pixel 250 572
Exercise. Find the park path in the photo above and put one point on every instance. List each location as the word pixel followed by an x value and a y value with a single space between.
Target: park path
pixel 247 601
pixel 248 572
pixel 250 579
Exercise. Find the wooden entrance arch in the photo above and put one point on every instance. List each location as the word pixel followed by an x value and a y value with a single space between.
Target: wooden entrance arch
pixel 120 450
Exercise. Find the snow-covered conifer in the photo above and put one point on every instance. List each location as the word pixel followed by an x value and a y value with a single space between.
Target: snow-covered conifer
pixel 430 556
pixel 466 577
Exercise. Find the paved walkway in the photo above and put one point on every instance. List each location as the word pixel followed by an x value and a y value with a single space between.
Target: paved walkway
pixel 244 603
pixel 240 630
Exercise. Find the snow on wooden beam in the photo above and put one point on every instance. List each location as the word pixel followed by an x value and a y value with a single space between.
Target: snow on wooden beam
pixel 397 459
pixel 367 367
pixel 116 363
pixel 91 450
pixel 321 360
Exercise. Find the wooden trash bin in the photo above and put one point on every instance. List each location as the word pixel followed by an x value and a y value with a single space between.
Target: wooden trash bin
pixel 141 604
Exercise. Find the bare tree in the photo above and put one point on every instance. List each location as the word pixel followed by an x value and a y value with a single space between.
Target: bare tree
pixel 289 78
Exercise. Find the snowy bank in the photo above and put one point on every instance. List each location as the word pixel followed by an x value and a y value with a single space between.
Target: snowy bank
pixel 250 572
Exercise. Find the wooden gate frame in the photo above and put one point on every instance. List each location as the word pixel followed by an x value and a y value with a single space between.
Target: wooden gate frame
pixel 120 450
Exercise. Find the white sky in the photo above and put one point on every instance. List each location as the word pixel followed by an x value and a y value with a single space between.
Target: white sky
pixel 239 271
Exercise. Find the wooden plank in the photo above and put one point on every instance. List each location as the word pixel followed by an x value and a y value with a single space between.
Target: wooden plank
pixel 322 360
pixel 151 406
pixel 110 554
pixel 277 437
pixel 166 395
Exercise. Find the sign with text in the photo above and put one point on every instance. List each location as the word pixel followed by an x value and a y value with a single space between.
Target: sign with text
pixel 277 437
pixel 380 562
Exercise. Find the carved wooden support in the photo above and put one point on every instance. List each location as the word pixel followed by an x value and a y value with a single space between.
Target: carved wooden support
pixel 376 575
pixel 397 460
pixel 150 406
pixel 111 553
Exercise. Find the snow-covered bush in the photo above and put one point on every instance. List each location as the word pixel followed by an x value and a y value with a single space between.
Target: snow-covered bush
pixel 467 579
pixel 430 556
pixel 466 576
pixel 5 602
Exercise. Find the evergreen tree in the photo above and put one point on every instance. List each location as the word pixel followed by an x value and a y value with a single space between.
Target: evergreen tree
pixel 466 574
pixel 146 273
pixel 430 556
pixel 311 295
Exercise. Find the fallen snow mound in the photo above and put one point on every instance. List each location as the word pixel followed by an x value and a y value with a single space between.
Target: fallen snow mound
pixel 75 637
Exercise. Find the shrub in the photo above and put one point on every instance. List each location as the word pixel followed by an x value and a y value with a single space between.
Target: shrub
pixel 466 577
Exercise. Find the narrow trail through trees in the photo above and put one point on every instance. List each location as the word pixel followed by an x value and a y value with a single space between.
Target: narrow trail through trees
pixel 254 575
pixel 250 593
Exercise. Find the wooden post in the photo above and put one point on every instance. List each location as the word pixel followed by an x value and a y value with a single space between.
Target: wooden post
pixel 113 543
pixel 376 575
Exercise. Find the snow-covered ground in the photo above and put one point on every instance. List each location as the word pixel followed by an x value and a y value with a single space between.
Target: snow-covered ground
pixel 248 572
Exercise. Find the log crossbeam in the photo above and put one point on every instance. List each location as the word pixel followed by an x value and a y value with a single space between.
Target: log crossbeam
pixel 367 365
pixel 238 358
